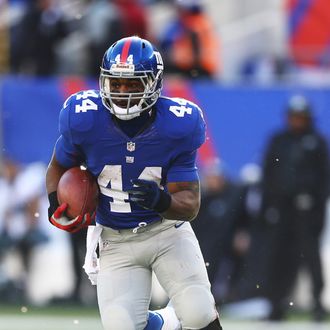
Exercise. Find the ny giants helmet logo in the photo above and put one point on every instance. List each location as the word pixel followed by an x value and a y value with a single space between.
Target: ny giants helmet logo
pixel 159 59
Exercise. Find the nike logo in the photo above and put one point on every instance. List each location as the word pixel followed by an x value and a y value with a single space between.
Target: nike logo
pixel 177 225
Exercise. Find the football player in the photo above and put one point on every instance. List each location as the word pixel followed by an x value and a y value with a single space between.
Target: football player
pixel 141 148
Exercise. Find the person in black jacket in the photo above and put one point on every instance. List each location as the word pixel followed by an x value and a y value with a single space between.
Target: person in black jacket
pixel 36 38
pixel 295 193
pixel 219 217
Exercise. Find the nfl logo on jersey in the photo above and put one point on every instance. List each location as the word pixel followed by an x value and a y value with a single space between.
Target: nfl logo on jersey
pixel 130 146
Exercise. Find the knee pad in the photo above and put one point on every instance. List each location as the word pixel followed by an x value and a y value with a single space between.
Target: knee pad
pixel 195 307
pixel 116 317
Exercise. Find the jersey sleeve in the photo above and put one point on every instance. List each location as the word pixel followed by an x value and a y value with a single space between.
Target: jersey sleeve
pixel 199 133
pixel 185 130
pixel 183 168
pixel 67 153
pixel 182 122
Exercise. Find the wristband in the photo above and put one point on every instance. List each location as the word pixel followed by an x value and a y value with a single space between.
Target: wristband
pixel 164 202
pixel 53 203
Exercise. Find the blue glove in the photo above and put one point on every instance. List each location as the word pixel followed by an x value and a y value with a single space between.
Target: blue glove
pixel 148 195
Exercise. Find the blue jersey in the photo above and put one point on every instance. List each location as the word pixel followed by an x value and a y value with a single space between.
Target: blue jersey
pixel 164 152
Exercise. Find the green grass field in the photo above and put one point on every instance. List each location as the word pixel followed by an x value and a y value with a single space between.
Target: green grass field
pixel 49 318
pixel 68 317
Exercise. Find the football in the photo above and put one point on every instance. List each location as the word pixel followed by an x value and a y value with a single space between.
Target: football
pixel 79 189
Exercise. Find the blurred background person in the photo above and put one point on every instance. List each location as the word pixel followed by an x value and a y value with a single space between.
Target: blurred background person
pixel 266 69
pixel 106 21
pixel 134 17
pixel 216 225
pixel 295 190
pixel 189 42
pixel 21 190
pixel 78 247
pixel 101 26
pixel 248 240
pixel 37 34
pixel 247 294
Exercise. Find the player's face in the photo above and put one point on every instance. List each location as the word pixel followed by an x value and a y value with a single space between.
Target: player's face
pixel 298 123
pixel 125 86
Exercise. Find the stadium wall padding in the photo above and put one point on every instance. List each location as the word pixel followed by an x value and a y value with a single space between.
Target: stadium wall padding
pixel 240 119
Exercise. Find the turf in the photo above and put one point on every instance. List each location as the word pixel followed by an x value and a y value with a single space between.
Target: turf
pixel 70 317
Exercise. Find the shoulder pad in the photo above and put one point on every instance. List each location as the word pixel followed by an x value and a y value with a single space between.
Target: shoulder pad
pixel 181 119
pixel 78 113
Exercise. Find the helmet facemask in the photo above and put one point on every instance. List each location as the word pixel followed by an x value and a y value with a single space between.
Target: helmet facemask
pixel 126 106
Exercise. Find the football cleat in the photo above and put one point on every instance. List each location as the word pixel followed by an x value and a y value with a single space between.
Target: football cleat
pixel 155 321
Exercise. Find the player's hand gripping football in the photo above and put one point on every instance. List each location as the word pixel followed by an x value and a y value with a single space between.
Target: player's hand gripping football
pixel 148 195
pixel 57 216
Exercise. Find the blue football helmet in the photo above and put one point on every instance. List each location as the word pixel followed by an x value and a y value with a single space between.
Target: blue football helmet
pixel 131 58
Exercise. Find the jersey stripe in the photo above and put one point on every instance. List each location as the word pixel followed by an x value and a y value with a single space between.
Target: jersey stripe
pixel 124 52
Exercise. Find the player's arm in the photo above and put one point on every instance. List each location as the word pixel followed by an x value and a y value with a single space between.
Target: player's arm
pixel 181 199
pixel 53 174
pixel 66 154
pixel 180 202
pixel 185 200
pixel 56 211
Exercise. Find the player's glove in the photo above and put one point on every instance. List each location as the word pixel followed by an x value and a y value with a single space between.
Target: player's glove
pixel 58 218
pixel 148 195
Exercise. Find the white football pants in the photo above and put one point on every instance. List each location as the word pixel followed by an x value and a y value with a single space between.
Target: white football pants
pixel 127 260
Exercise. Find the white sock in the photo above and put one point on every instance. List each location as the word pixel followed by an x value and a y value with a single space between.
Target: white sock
pixel 171 321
